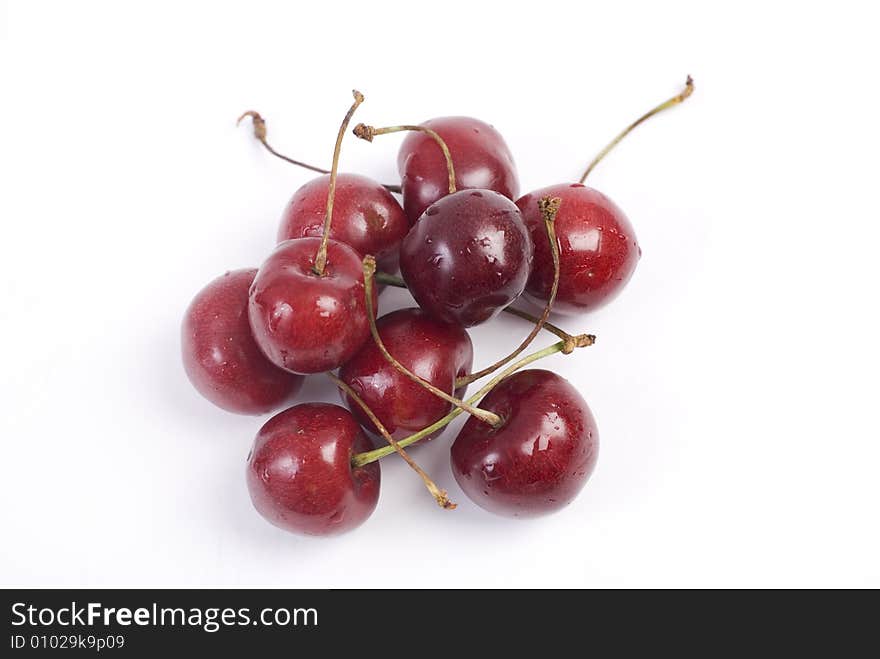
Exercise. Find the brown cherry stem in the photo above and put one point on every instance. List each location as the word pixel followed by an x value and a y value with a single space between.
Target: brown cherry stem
pixel 321 256
pixel 675 100
pixel 573 341
pixel 483 415
pixel 361 459
pixel 549 207
pixel 369 132
pixel 439 495
pixel 260 134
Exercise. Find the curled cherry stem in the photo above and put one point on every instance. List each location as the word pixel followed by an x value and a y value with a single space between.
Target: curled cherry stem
pixel 561 346
pixel 549 208
pixel 439 495
pixel 675 100
pixel 574 341
pixel 483 415
pixel 260 133
pixel 369 132
pixel 321 256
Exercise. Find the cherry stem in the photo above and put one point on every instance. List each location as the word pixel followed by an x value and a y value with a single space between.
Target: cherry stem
pixel 397 282
pixel 369 132
pixel 549 207
pixel 439 495
pixel 321 256
pixel 361 459
pixel 548 327
pixel 260 134
pixel 675 100
pixel 483 415
pixel 389 279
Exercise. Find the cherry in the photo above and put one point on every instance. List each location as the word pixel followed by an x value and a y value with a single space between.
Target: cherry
pixel 468 256
pixel 539 458
pixel 305 322
pixel 366 216
pixel 475 235
pixel 220 356
pixel 482 161
pixel 436 351
pixel 598 250
pixel 307 309
pixel 300 475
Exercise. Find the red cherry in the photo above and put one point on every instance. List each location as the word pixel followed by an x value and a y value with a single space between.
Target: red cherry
pixel 542 455
pixel 468 257
pixel 220 355
pixel 482 161
pixel 305 322
pixel 598 250
pixel 598 247
pixel 299 471
pixel 434 350
pixel 365 216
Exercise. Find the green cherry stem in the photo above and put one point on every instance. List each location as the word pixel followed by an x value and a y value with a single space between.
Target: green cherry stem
pixel 321 256
pixel 483 415
pixel 439 495
pixel 260 133
pixel 369 132
pixel 561 346
pixel 549 207
pixel 389 279
pixel 675 100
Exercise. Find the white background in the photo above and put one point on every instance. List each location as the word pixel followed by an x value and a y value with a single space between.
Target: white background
pixel 734 381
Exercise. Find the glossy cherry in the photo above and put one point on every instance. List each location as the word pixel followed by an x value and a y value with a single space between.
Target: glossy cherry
pixel 434 350
pixel 482 161
pixel 597 244
pixel 598 250
pixel 220 356
pixel 468 257
pixel 305 322
pixel 299 471
pixel 538 460
pixel 365 216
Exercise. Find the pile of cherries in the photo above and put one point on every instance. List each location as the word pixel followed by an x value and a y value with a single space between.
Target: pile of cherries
pixel 467 245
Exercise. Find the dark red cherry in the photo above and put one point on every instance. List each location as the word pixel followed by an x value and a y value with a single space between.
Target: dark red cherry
pixel 299 471
pixel 304 322
pixel 468 257
pixel 541 456
pixel 436 351
pixel 220 355
pixel 481 157
pixel 365 216
pixel 598 250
